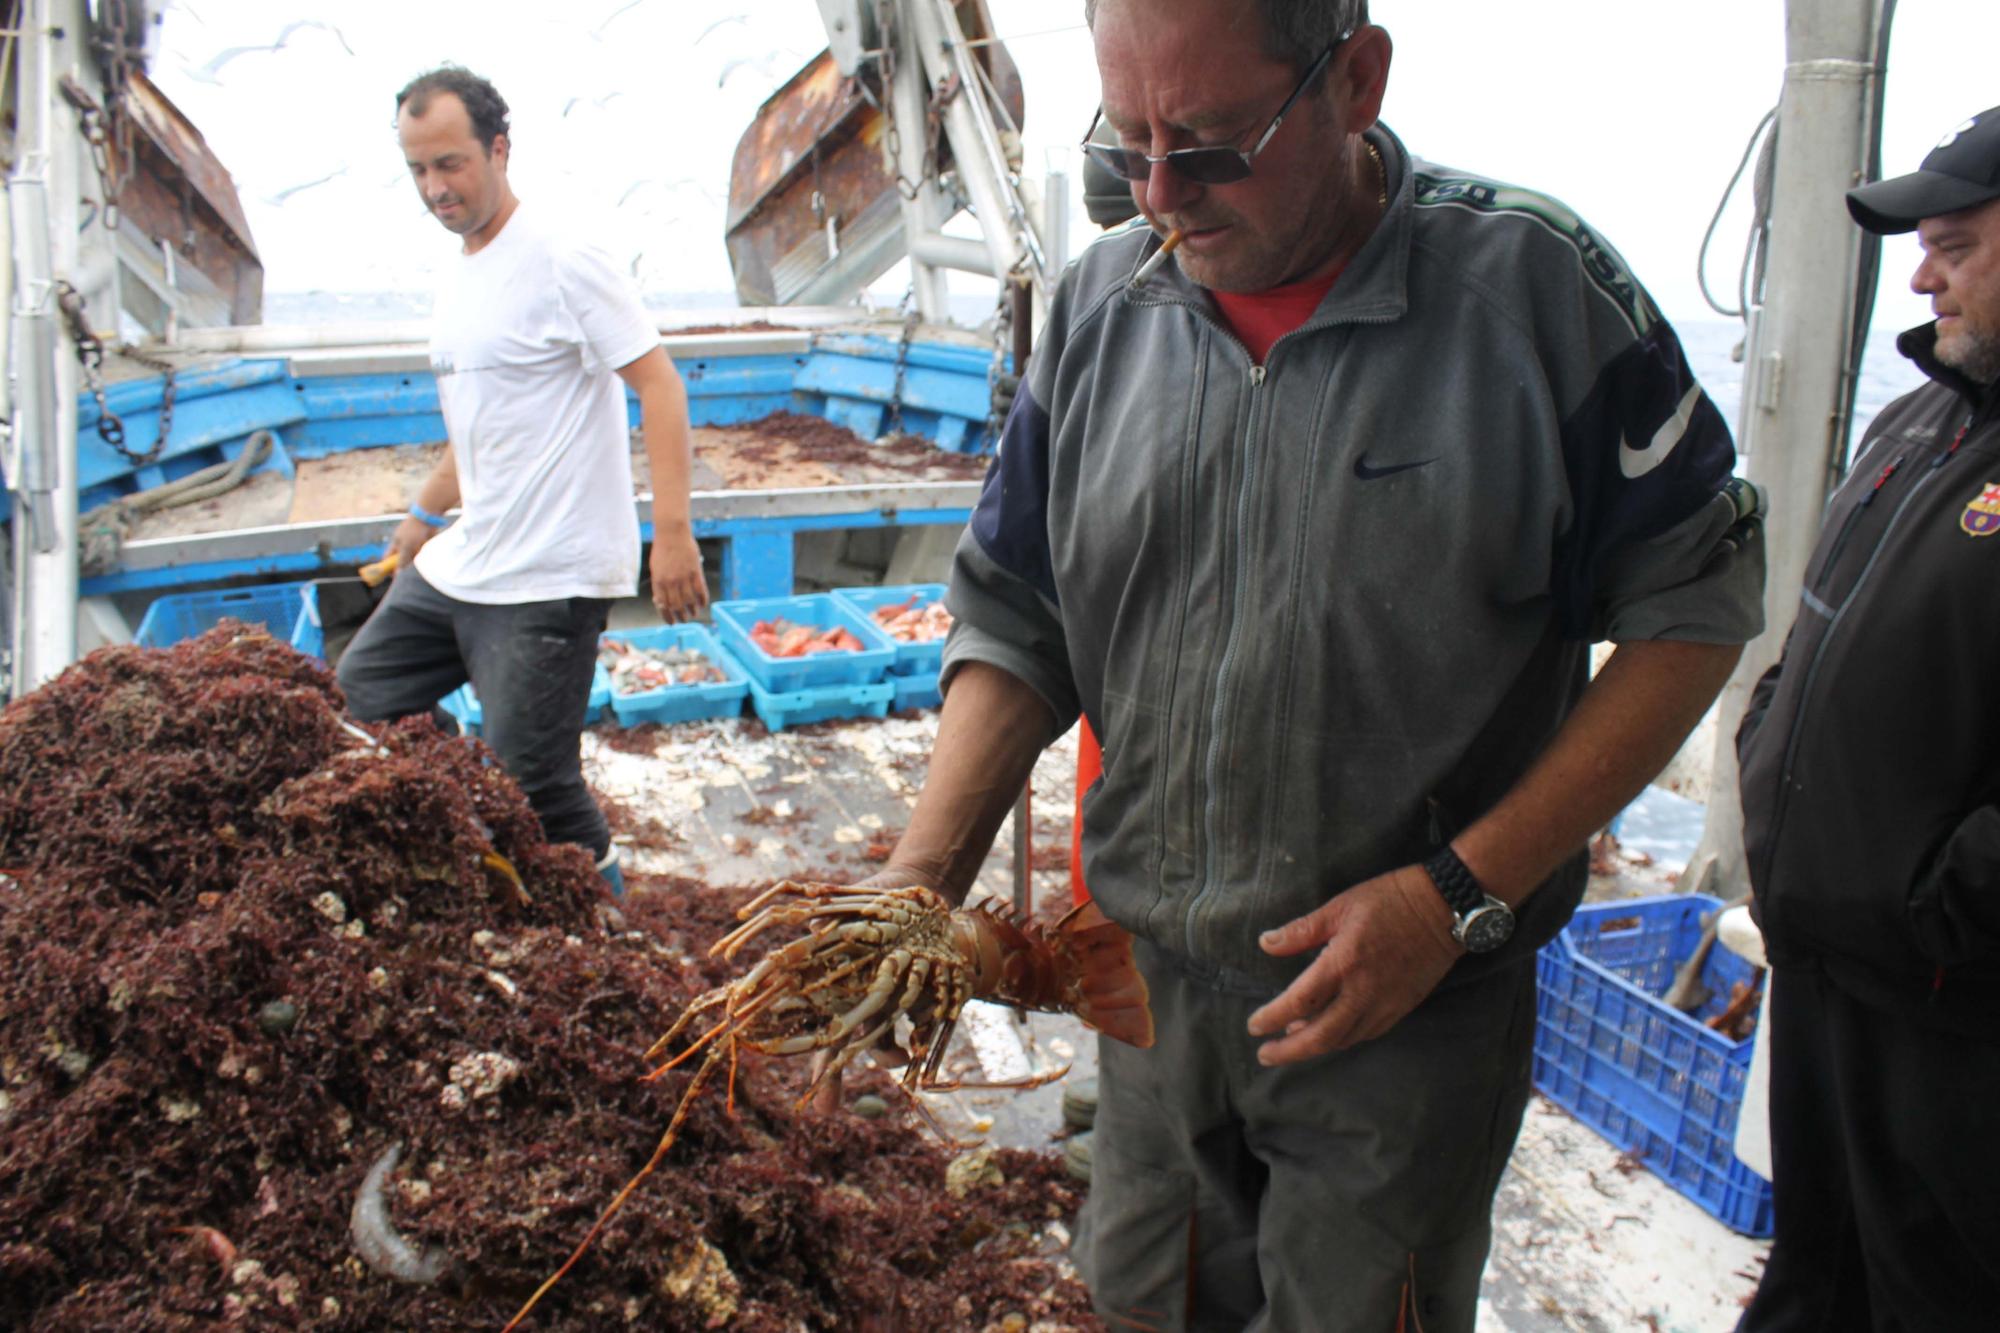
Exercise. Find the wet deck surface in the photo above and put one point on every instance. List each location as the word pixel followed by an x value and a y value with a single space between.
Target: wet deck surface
pixel 1585 1241
pixel 790 451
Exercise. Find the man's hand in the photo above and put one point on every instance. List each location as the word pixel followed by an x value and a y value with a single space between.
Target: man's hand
pixel 1384 945
pixel 679 590
pixel 409 538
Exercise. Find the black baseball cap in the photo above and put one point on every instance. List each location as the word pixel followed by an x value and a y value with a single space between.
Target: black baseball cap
pixel 1963 171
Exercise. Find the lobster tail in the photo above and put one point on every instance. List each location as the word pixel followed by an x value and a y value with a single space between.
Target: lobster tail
pixel 1082 965
pixel 1112 994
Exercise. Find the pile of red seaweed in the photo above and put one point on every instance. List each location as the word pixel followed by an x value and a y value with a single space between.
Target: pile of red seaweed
pixel 249 948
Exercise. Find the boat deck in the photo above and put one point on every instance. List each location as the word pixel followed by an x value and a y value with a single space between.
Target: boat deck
pixel 782 420
pixel 1585 1240
pixel 789 452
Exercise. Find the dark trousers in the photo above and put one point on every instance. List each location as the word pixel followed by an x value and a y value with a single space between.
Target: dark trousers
pixel 1349 1194
pixel 1887 1185
pixel 531 664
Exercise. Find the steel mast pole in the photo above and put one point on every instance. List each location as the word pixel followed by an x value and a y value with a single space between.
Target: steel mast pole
pixel 1794 417
pixel 44 478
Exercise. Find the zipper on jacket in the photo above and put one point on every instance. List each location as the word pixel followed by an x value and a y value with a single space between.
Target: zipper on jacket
pixel 1956 440
pixel 1793 733
pixel 1258 374
pixel 1854 519
pixel 1246 485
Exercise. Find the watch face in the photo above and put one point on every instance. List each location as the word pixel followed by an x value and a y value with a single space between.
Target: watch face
pixel 1485 929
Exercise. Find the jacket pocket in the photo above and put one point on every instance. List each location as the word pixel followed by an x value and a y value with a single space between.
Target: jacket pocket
pixel 1954 909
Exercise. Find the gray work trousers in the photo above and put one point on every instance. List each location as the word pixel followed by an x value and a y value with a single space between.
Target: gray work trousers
pixel 1349 1194
pixel 531 664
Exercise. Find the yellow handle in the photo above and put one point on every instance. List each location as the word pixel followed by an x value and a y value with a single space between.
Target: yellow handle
pixel 372 575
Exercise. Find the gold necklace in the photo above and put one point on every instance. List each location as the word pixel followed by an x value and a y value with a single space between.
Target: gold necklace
pixel 1381 177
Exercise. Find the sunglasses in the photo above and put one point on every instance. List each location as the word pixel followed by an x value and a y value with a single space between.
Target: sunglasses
pixel 1219 165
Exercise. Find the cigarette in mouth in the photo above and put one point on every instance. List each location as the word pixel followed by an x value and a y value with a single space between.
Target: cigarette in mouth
pixel 1152 266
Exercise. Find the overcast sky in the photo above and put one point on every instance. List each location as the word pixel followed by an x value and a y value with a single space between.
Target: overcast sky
pixel 627 113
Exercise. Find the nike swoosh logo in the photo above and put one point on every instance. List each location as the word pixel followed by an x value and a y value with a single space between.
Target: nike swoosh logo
pixel 1638 462
pixel 1366 473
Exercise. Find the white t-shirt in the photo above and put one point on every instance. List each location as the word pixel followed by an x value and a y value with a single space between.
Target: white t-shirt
pixel 526 342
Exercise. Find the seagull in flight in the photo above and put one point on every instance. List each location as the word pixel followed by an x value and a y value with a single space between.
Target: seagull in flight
pixel 762 64
pixel 629 4
pixel 726 18
pixel 210 72
pixel 646 181
pixel 291 190
pixel 594 101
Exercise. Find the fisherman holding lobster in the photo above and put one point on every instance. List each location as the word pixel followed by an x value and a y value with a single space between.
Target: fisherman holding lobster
pixel 1316 524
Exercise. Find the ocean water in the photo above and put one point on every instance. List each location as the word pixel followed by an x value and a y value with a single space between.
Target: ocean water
pixel 1885 374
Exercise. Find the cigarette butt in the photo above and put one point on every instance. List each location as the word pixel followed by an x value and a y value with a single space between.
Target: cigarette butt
pixel 1152 266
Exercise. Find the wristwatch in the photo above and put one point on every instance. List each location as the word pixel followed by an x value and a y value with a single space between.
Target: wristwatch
pixel 1482 923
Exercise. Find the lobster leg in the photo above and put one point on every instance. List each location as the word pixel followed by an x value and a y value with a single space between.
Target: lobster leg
pixel 694 1088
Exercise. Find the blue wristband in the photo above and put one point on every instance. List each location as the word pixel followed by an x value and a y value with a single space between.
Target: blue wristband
pixel 427 518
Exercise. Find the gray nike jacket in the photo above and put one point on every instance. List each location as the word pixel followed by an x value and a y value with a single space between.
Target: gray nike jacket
pixel 1322 613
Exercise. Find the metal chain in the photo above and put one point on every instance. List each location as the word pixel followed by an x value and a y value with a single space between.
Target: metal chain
pixel 892 140
pixel 909 313
pixel 92 124
pixel 109 130
pixel 90 355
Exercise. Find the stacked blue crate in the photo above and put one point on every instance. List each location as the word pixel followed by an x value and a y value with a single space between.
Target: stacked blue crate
pixel 1656 1082
pixel 914 672
pixel 791 691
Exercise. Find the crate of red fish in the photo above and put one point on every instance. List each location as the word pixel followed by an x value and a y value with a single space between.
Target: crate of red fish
pixel 463 704
pixel 911 614
pixel 670 673
pixel 800 643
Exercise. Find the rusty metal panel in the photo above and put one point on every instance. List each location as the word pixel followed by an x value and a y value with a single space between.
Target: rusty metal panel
pixel 180 194
pixel 816 151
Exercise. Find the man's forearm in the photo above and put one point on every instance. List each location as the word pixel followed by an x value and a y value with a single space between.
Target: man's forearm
pixel 993 728
pixel 663 422
pixel 439 490
pixel 1632 718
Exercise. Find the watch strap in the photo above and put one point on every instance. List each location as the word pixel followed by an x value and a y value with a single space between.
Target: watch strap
pixel 1462 890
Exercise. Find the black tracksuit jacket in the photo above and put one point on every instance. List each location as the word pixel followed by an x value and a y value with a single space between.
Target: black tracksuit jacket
pixel 1870 754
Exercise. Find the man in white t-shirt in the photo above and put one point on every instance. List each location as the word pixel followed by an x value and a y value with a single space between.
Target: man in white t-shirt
pixel 532 335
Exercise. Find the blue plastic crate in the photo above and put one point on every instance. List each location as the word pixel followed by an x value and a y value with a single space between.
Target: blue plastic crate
pixel 463 704
pixel 183 615
pixel 916 691
pixel 681 703
pixel 912 659
pixel 784 675
pixel 1654 1081
pixel 795 708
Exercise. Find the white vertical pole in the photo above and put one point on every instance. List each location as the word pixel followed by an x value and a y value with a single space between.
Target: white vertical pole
pixel 975 144
pixel 923 215
pixel 44 528
pixel 1793 423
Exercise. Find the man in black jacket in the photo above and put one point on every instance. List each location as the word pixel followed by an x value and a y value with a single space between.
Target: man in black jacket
pixel 1871 801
